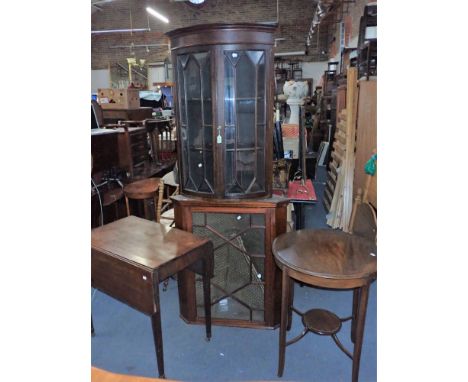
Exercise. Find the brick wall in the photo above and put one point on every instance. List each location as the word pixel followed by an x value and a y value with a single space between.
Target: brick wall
pixel 351 20
pixel 294 21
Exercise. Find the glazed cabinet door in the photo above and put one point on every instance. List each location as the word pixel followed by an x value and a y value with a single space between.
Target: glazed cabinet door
pixel 238 285
pixel 195 115
pixel 245 122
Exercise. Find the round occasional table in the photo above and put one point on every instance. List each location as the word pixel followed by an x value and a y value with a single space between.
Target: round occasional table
pixel 327 259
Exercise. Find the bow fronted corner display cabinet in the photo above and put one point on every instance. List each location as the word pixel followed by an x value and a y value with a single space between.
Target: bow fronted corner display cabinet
pixel 224 109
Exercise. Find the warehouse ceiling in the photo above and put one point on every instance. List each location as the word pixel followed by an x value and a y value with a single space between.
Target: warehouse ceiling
pixel 303 25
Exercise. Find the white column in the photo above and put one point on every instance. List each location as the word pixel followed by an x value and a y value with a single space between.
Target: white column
pixel 295 91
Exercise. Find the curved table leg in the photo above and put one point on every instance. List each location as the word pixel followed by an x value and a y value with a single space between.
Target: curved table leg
pixel 285 294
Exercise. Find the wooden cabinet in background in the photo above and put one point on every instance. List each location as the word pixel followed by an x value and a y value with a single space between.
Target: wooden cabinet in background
pixel 137 114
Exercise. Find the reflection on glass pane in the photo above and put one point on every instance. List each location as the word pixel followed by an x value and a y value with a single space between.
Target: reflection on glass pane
pixel 194 84
pixel 207 113
pixel 245 168
pixel 196 169
pixel 230 137
pixel 258 315
pixel 193 92
pixel 238 282
pixel 209 181
pixel 245 78
pixel 228 92
pixel 228 224
pixel 198 218
pixel 254 241
pixel 185 155
pixel 208 138
pixel 181 91
pixel 229 175
pixel 258 220
pixel 252 296
pixel 245 120
pixel 204 62
pixel 261 135
pixel 260 169
pixel 261 76
pixel 260 111
pixel 258 266
pixel 246 123
pixel 256 56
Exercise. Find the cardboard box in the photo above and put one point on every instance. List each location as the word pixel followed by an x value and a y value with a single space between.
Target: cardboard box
pixel 119 98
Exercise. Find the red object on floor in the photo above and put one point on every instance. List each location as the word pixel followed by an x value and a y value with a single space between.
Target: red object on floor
pixel 297 191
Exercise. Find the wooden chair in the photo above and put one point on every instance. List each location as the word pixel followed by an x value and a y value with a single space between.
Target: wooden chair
pixel 168 187
pixel 363 220
pixel 99 115
pixel 146 189
pixel 171 188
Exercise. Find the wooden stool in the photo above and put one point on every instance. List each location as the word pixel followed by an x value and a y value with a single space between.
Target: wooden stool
pixel 149 188
pixel 326 259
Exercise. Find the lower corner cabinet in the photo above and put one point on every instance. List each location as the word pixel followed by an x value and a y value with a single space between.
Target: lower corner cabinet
pixel 246 287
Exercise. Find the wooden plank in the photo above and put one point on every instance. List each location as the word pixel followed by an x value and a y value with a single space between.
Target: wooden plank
pixel 332 175
pixel 340 101
pixel 366 133
pixel 343 114
pixel 338 158
pixel 342 126
pixel 328 197
pixel 341 149
pixel 334 166
pixel 352 102
pixel 338 144
pixel 340 137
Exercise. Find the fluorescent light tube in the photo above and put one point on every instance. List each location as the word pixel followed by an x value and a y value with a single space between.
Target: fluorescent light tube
pixel 298 53
pixel 151 11
pixel 120 30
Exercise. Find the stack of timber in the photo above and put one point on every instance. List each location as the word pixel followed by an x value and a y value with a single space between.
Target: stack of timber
pixel 343 159
pixel 336 160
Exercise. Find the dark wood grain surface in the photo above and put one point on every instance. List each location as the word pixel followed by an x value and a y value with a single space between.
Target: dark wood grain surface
pixel 215 40
pixel 142 189
pixel 128 238
pixel 131 256
pixel 326 254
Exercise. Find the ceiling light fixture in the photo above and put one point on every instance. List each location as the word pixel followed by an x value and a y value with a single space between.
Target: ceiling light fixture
pixel 298 53
pixel 152 12
pixel 121 30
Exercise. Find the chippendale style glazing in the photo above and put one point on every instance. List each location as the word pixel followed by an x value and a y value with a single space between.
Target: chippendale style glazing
pixel 224 109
